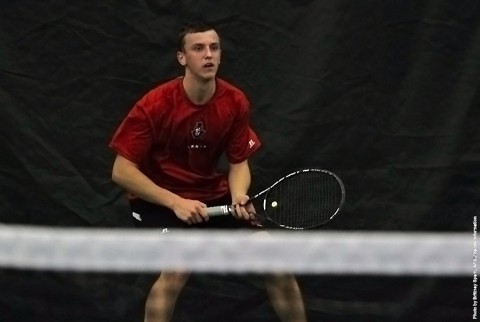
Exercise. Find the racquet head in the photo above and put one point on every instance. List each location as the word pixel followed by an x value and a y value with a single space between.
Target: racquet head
pixel 304 199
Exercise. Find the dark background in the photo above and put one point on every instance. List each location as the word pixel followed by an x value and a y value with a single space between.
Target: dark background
pixel 384 93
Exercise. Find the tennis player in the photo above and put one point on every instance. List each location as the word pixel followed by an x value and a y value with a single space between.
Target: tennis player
pixel 168 148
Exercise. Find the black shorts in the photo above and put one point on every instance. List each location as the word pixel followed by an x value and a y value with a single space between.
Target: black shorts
pixel 149 215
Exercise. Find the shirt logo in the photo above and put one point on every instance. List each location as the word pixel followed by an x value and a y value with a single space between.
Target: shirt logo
pixel 251 143
pixel 198 130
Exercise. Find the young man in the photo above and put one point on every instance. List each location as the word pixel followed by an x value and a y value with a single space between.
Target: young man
pixel 168 148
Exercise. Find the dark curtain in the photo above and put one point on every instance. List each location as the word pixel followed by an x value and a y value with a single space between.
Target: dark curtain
pixel 383 93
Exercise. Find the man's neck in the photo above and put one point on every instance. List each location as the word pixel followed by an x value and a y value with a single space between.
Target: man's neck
pixel 199 92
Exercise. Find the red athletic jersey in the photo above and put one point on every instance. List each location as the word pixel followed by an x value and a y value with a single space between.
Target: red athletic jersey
pixel 178 144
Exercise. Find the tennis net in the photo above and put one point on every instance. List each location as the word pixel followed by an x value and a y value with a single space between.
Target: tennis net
pixel 301 252
pixel 73 274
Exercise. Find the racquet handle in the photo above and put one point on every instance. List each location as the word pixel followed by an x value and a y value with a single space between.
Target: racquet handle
pixel 219 211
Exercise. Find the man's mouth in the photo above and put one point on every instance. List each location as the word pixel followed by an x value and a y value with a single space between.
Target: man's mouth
pixel 208 65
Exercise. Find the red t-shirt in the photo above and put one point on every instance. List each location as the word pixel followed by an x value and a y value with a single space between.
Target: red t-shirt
pixel 178 144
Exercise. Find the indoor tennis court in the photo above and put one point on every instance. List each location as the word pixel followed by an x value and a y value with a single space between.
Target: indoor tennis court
pixel 382 94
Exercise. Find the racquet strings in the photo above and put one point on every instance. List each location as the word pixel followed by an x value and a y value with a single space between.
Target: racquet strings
pixel 304 200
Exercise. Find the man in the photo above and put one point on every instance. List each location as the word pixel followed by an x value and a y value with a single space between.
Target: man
pixel 168 148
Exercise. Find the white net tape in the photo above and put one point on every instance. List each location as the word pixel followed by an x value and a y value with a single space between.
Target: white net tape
pixel 309 252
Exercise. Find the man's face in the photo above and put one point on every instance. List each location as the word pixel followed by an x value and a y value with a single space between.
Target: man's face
pixel 201 55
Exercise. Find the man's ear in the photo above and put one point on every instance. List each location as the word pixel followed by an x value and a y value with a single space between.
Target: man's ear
pixel 181 58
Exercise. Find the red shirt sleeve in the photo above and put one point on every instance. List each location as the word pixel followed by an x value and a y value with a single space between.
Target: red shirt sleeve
pixel 243 140
pixel 133 138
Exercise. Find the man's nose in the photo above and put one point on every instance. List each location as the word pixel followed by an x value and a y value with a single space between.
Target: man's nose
pixel 208 52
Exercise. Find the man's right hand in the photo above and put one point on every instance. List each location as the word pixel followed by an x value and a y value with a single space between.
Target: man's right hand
pixel 190 211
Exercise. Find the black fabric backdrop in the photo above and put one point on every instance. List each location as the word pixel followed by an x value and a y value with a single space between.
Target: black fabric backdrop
pixel 384 93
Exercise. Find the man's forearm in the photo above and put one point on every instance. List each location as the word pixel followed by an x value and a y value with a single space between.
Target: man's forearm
pixel 133 180
pixel 239 179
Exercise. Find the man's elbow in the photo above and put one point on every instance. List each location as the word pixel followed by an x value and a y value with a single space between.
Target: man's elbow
pixel 119 172
pixel 122 170
pixel 116 175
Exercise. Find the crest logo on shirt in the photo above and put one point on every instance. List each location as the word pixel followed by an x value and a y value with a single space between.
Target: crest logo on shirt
pixel 198 130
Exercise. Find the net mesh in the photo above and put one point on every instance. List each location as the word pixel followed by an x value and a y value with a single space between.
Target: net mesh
pixel 105 274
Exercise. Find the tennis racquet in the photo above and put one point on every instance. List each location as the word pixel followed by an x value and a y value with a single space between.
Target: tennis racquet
pixel 303 199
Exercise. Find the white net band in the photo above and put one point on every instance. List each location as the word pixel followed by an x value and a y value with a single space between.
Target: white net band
pixel 309 252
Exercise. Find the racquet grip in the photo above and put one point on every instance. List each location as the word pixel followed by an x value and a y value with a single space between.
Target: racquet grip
pixel 219 211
